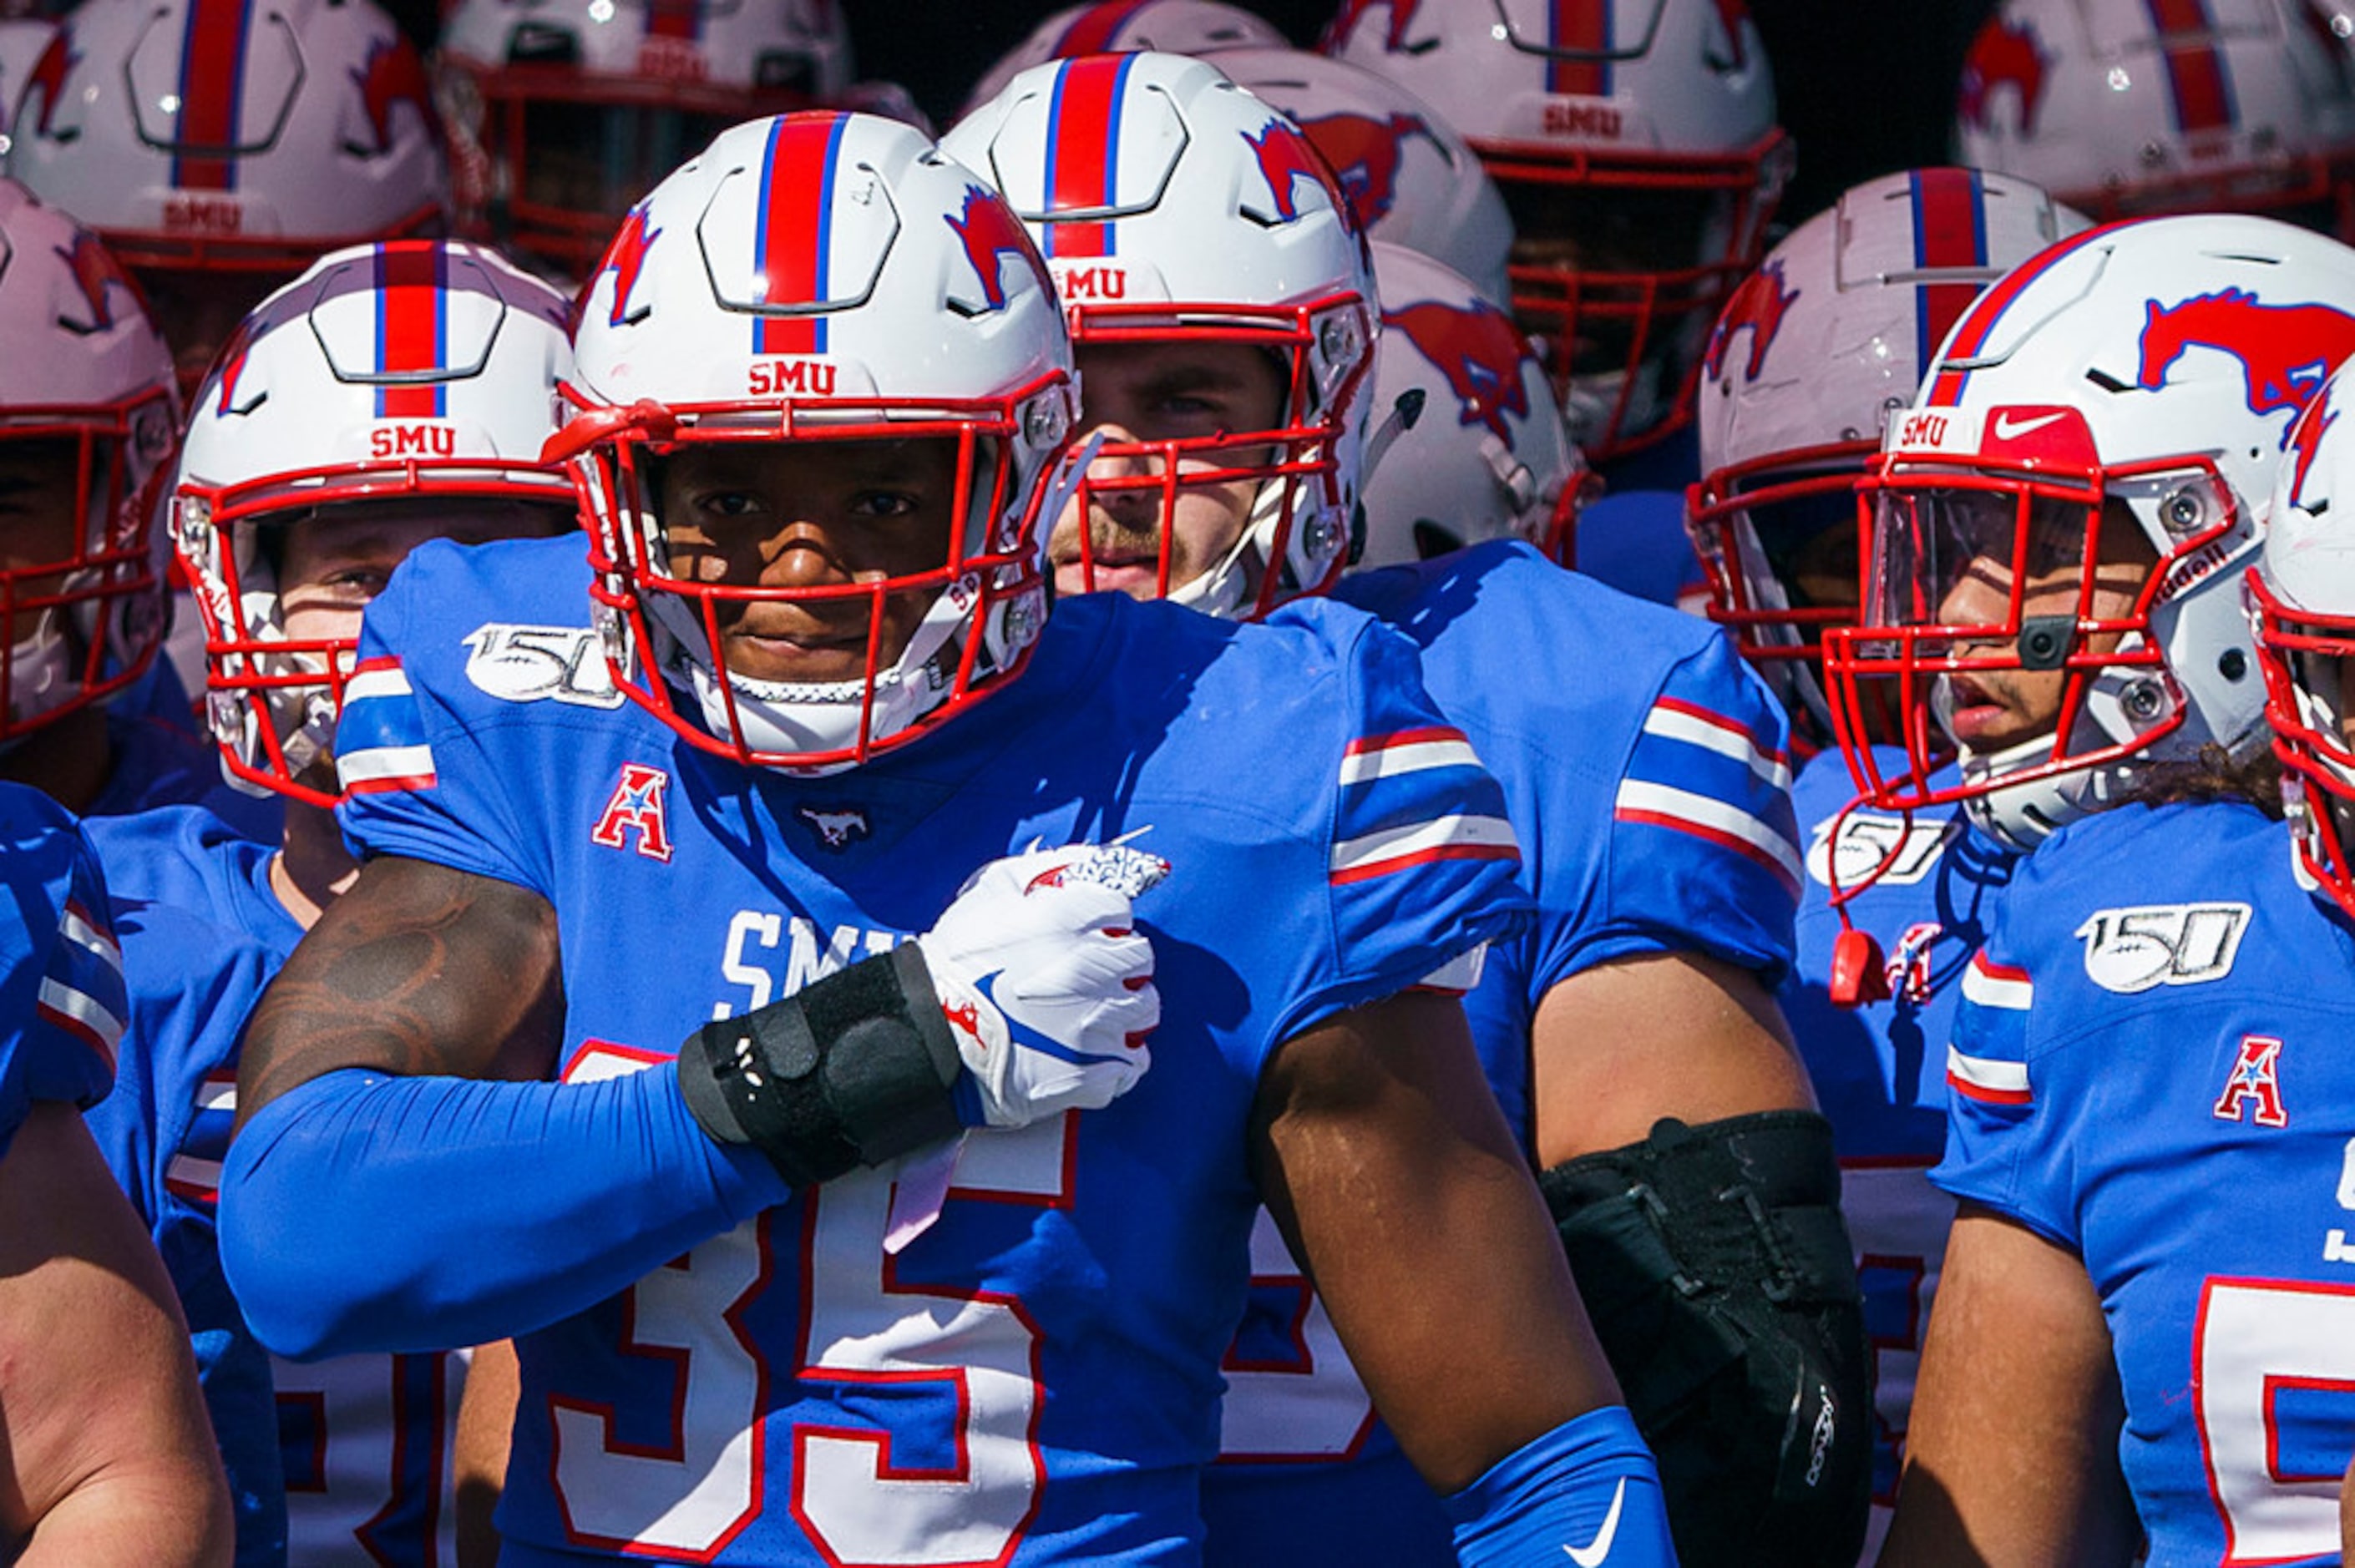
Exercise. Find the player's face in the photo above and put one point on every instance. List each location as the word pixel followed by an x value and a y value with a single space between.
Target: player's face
pixel 813 515
pixel 1990 710
pixel 1158 392
pixel 334 561
pixel 39 488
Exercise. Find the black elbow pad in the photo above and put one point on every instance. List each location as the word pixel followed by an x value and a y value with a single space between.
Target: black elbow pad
pixel 1718 1272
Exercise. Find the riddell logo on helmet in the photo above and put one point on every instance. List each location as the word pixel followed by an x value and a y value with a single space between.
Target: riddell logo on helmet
pixel 801 377
pixel 412 440
pixel 2284 351
pixel 1366 152
pixel 188 214
pixel 1582 117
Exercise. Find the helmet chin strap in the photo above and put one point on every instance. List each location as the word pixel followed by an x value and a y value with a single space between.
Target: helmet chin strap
pixel 817 715
pixel 1223 589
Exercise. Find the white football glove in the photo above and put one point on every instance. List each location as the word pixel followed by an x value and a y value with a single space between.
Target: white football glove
pixel 1046 983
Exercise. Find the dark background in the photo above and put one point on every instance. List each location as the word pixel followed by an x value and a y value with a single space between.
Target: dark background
pixel 1867 87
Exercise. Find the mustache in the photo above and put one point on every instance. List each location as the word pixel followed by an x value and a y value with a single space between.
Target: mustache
pixel 1107 536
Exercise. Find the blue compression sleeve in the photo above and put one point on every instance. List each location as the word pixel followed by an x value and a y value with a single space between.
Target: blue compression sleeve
pixel 361 1212
pixel 1586 1492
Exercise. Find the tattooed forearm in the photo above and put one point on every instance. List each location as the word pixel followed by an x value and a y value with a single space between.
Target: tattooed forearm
pixel 418 969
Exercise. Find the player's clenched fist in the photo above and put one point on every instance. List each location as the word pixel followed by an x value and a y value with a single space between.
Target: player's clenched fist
pixel 1032 996
pixel 1046 983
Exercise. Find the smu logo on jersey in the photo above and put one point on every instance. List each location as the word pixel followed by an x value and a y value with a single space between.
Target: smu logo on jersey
pixel 811 953
pixel 1759 306
pixel 1366 153
pixel 636 807
pixel 1479 350
pixel 540 664
pixel 1910 847
pixel 2131 950
pixel 2284 350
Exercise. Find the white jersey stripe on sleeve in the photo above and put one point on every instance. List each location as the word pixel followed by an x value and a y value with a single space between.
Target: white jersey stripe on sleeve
pixel 1705 816
pixel 1671 719
pixel 1985 1078
pixel 1452 837
pixel 77 928
pixel 1414 751
pixel 1994 985
pixel 381 763
pixel 81 1016
pixel 192 1177
pixel 376 681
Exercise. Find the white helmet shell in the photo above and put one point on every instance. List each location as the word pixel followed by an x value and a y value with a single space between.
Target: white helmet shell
pixel 1213 216
pixel 1410 178
pixel 84 371
pixel 1467 444
pixel 1649 119
pixel 2157 364
pixel 2121 107
pixel 837 270
pixel 1122 26
pixel 410 368
pixel 1809 357
pixel 232 133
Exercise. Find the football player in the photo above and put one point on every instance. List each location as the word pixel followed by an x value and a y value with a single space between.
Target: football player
pixel 89 421
pixel 1122 26
pixel 220 146
pixel 1219 295
pixel 1813 352
pixel 1636 148
pixel 392 394
pixel 563 116
pixel 106 1456
pixel 2059 521
pixel 2121 107
pixel 617 1042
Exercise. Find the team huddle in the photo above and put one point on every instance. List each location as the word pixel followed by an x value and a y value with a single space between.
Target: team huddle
pixel 1283 807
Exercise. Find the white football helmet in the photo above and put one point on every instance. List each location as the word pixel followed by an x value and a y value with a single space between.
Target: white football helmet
pixel 564 112
pixel 1813 352
pixel 1122 26
pixel 2301 598
pixel 833 277
pixel 22 43
pixel 2143 376
pixel 1173 205
pixel 89 415
pixel 2122 107
pixel 410 368
pixel 1635 145
pixel 1467 443
pixel 220 145
pixel 1410 178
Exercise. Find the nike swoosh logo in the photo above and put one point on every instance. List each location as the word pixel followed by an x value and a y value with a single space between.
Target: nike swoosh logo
pixel 2008 428
pixel 1595 1551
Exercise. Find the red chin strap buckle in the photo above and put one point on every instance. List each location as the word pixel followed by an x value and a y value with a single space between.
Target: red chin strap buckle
pixel 1859 970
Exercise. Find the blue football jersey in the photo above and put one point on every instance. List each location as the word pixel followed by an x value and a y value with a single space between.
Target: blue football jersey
pixel 2149 1068
pixel 347 1459
pixel 1644 770
pixel 61 1001
pixel 1035 1377
pixel 1879 1070
pixel 158 764
pixel 1633 537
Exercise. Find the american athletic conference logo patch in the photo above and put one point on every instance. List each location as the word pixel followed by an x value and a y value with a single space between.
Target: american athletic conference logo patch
pixel 2134 949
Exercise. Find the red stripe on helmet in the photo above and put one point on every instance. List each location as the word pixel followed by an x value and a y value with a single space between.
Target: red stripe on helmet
pixel 411 332
pixel 1949 232
pixel 797 202
pixel 1096 29
pixel 2195 66
pixel 212 81
pixel 1578 26
pixel 1083 151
